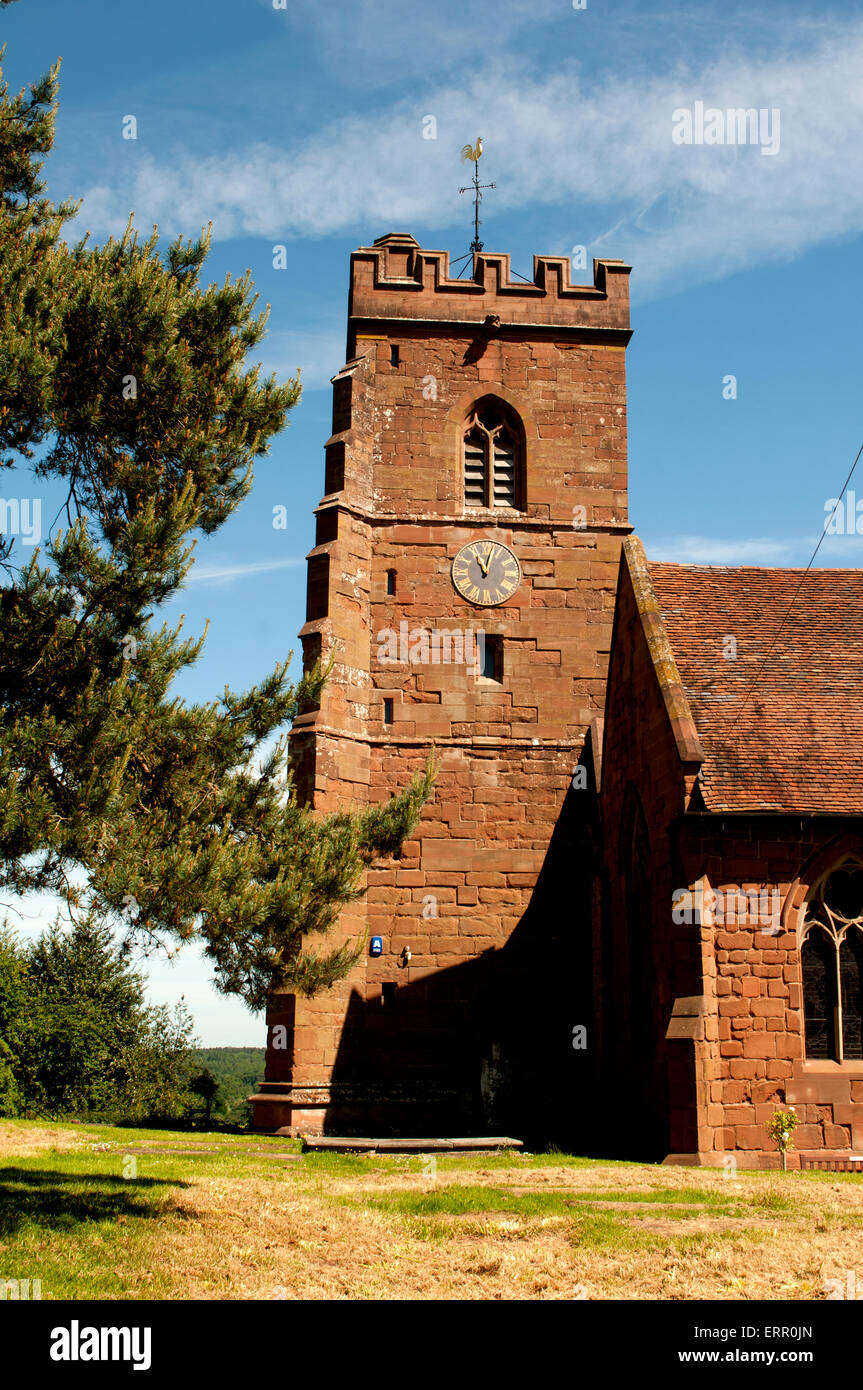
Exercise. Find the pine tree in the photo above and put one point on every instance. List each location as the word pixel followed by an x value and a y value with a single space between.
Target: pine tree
pixel 122 376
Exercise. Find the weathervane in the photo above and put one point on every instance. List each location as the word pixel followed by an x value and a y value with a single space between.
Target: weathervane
pixel 474 152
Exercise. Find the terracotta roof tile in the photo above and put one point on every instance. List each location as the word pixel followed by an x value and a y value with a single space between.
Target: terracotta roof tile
pixel 797 743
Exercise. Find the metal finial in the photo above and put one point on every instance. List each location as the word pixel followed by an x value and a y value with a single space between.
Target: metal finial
pixel 474 153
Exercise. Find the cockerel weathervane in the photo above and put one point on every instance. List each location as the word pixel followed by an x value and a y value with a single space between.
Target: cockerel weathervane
pixel 474 153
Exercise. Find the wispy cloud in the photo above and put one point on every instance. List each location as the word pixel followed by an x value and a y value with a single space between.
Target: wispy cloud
pixel 592 151
pixel 833 552
pixel 716 550
pixel 372 42
pixel 230 574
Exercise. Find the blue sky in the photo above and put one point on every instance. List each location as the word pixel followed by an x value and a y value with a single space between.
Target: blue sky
pixel 303 126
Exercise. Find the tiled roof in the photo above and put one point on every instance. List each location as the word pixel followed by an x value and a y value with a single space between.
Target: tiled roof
pixel 796 744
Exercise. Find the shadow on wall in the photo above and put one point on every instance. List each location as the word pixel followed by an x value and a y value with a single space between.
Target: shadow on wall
pixel 501 1044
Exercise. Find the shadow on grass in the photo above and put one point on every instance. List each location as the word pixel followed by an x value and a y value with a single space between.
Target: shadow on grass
pixel 62 1201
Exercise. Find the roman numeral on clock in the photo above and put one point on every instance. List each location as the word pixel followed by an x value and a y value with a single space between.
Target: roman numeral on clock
pixel 485 572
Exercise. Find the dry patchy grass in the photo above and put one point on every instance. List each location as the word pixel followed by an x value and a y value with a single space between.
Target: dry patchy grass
pixel 236 1224
pixel 303 1242
pixel 18 1139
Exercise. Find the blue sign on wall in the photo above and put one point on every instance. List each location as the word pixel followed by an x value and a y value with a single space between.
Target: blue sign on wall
pixel 377 946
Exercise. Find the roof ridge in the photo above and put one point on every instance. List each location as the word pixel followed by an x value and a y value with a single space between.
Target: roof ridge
pixel 752 569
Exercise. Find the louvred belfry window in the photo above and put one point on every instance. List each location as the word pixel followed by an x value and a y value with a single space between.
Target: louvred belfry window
pixel 832 966
pixel 492 459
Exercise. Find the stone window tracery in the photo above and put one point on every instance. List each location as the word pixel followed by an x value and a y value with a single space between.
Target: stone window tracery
pixel 492 458
pixel 832 965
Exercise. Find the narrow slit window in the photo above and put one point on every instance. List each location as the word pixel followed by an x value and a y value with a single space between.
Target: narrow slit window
pixel 391 582
pixel 394 355
pixel 492 658
pixel 388 711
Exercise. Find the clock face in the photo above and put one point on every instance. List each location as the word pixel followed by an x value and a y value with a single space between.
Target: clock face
pixel 486 573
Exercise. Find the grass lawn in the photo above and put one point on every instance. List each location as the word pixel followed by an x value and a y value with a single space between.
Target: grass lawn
pixel 100 1212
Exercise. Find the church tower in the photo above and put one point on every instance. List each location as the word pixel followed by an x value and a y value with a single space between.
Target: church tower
pixel 463 573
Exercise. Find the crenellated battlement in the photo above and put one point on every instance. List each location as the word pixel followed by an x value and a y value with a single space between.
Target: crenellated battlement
pixel 396 280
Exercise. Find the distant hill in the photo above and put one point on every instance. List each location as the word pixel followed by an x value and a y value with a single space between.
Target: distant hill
pixel 238 1071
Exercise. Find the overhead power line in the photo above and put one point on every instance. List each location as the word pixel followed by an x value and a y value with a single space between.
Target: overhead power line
pixel 796 593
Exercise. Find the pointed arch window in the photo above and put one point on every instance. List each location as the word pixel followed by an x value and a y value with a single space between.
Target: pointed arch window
pixel 831 958
pixel 493 457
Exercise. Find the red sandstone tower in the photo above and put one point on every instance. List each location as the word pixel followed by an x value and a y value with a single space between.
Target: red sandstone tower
pixel 475 484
